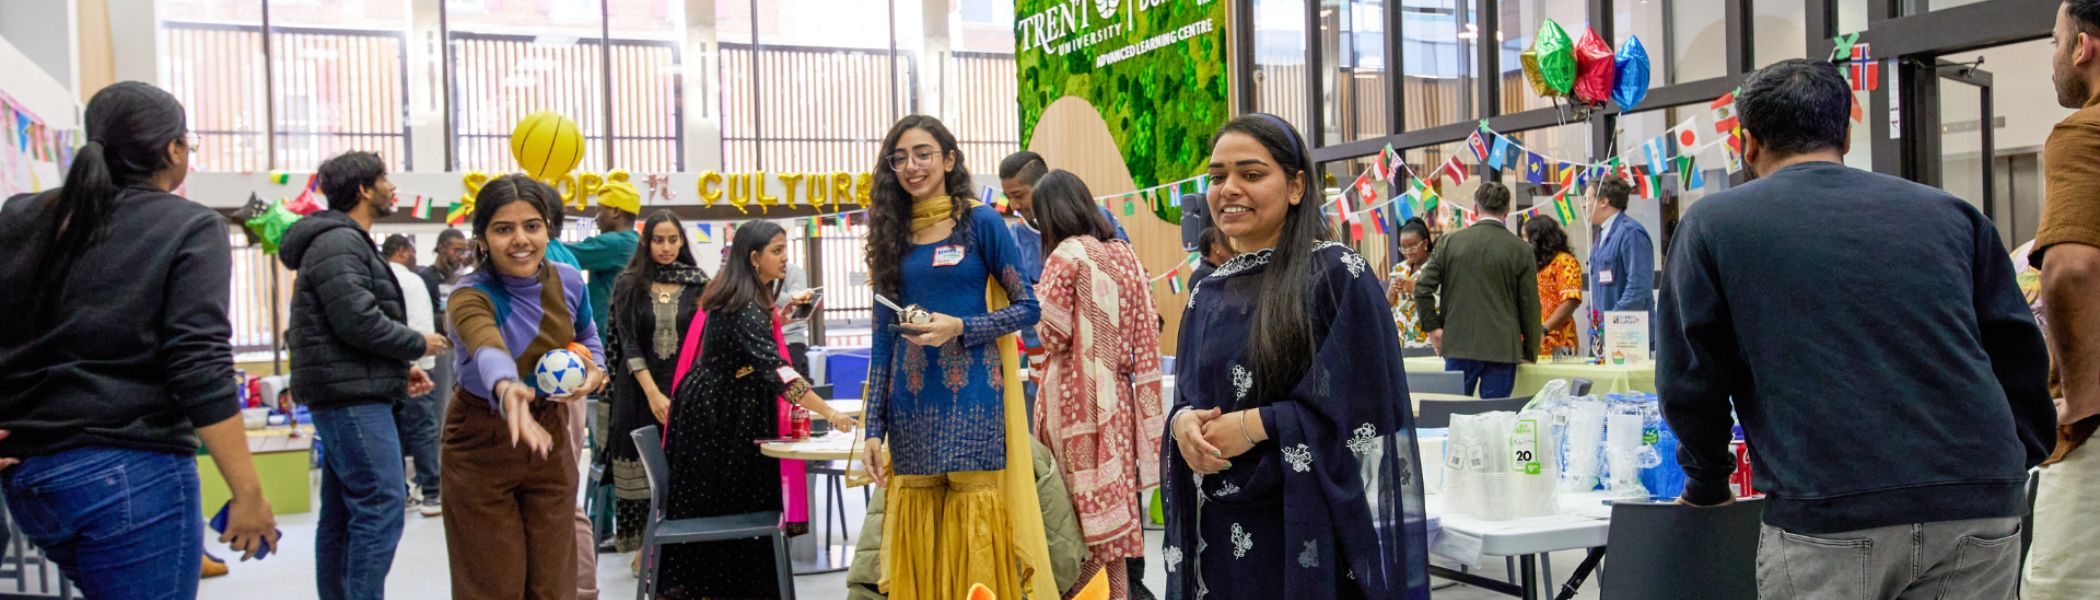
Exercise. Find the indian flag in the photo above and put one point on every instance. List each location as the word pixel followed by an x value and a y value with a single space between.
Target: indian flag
pixel 422 209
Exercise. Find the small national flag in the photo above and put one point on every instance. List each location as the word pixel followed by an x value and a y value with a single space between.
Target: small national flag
pixel 1174 283
pixel 1534 168
pixel 1407 207
pixel 1478 143
pixel 1380 167
pixel 1866 72
pixel 1564 209
pixel 1687 134
pixel 422 207
pixel 701 233
pixel 280 177
pixel 1640 184
pixel 1688 173
pixel 457 215
pixel 1392 163
pixel 1456 170
pixel 1356 229
pixel 1378 219
pixel 1129 205
pixel 1497 156
pixel 1724 114
pixel 1366 195
pixel 1654 148
pixel 1567 178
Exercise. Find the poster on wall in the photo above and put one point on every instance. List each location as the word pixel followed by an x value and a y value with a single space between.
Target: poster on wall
pixel 1625 337
pixel 1157 70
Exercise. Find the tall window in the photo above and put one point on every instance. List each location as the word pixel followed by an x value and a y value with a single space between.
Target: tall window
pixel 1437 61
pixel 339 75
pixel 212 61
pixel 1280 72
pixel 512 59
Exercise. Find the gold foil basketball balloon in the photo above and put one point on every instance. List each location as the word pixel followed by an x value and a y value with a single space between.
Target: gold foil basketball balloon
pixel 546 145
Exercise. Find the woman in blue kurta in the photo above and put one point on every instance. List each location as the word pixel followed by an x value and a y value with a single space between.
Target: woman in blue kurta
pixel 1290 459
pixel 943 396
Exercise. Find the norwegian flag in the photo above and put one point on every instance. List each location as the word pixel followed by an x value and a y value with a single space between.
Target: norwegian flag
pixel 1865 71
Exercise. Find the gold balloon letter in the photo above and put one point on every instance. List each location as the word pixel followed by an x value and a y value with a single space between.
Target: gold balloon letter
pixel 818 184
pixel 863 184
pixel 740 191
pixel 707 183
pixel 787 182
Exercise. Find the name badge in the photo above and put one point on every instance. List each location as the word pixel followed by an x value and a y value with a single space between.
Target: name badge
pixel 947 256
pixel 1604 276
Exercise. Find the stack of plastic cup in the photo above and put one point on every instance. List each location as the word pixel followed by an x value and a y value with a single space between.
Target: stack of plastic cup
pixel 1585 435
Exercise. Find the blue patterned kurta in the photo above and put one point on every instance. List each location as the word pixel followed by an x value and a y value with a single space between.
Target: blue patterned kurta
pixel 940 410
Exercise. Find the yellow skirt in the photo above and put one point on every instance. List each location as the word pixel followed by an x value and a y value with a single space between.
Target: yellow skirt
pixel 943 533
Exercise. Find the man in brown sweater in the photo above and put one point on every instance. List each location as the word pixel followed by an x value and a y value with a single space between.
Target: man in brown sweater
pixel 2067 247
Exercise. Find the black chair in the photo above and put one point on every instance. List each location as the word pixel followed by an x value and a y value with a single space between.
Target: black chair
pixel 1665 550
pixel 1437 413
pixel 1436 382
pixel 662 532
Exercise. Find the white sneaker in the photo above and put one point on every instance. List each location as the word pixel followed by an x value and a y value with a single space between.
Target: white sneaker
pixel 430 507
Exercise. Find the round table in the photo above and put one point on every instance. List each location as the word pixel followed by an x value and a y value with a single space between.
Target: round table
pixel 813 554
pixel 850 408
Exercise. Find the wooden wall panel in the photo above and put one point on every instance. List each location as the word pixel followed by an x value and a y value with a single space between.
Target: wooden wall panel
pixel 1072 136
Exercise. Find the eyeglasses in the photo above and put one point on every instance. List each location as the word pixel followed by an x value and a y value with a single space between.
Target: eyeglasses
pixel 923 158
pixel 1415 247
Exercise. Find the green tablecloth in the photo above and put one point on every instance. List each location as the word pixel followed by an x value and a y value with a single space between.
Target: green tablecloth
pixel 1606 379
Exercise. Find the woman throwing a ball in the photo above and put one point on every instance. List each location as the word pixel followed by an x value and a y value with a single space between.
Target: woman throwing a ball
pixel 509 468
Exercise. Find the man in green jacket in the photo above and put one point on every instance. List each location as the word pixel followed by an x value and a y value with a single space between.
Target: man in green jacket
pixel 1490 298
pixel 605 255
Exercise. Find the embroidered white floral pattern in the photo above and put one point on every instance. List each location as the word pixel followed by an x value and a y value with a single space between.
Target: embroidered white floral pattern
pixel 1365 440
pixel 1355 262
pixel 1300 457
pixel 1310 557
pixel 1229 488
pixel 1242 380
pixel 1241 541
pixel 1173 556
pixel 1237 264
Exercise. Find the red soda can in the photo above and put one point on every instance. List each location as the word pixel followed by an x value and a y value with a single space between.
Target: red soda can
pixel 798 423
pixel 1741 479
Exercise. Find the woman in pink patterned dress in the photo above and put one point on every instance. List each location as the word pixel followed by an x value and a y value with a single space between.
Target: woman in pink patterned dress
pixel 1099 407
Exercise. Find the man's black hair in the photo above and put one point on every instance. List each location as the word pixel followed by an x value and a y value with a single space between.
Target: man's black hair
pixel 342 177
pixel 1796 106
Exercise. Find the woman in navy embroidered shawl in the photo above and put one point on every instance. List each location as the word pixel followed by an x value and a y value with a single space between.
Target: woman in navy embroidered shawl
pixel 1290 455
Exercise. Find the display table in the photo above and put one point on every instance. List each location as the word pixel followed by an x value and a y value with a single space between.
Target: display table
pixel 1584 521
pixel 813 554
pixel 850 408
pixel 1606 379
pixel 283 463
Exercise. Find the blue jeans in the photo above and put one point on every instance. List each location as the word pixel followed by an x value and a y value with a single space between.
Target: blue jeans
pixel 120 523
pixel 1493 380
pixel 363 492
pixel 416 419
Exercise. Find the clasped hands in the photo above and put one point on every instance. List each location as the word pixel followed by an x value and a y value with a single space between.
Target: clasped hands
pixel 1209 438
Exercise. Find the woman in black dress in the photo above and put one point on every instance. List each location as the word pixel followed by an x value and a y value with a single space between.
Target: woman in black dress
pixel 652 303
pixel 731 397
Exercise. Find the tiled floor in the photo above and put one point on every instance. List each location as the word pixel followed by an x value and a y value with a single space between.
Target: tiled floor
pixel 421 571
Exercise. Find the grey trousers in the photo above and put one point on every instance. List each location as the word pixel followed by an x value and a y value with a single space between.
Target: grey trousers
pixel 1977 558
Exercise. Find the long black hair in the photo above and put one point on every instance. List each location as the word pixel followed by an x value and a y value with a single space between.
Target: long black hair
pixel 737 284
pixel 641 269
pixel 889 212
pixel 1547 240
pixel 503 191
pixel 1283 313
pixel 1064 208
pixel 129 127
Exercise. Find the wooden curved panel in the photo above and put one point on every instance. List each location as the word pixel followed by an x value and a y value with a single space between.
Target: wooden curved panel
pixel 1072 136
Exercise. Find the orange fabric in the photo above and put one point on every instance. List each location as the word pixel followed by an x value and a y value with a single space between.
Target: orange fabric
pixel 1559 282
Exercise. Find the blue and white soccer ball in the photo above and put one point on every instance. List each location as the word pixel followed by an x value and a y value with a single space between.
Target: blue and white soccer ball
pixel 559 372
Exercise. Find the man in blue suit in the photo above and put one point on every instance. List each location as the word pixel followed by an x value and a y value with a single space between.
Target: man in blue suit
pixel 1622 261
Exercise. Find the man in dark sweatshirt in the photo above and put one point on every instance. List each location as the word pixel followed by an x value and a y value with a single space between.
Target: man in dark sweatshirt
pixel 1888 373
pixel 351 346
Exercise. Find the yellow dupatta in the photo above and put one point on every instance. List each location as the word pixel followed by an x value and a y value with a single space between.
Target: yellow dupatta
pixel 1031 546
